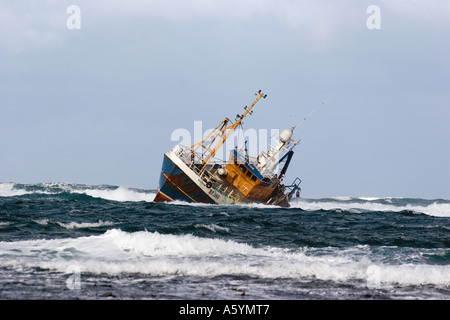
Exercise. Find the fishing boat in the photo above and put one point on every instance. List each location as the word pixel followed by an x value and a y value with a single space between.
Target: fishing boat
pixel 192 174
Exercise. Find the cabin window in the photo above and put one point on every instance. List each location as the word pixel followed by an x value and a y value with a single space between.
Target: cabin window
pixel 249 174
pixel 242 168
pixel 253 178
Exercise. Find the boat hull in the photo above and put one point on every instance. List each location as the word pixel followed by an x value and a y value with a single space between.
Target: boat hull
pixel 185 181
pixel 175 184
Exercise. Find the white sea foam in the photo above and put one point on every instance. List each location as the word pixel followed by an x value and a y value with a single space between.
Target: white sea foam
pixel 121 194
pixel 212 227
pixel 76 225
pixel 105 192
pixel 118 194
pixel 43 222
pixel 117 252
pixel 355 205
pixel 7 190
pixel 434 209
pixel 369 198
pixel 342 198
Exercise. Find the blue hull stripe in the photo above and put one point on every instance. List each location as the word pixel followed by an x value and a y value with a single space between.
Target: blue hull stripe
pixel 175 184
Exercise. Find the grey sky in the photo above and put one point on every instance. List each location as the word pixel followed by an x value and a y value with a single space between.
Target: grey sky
pixel 98 105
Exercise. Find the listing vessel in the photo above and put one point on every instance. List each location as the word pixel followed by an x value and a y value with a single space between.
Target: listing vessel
pixel 192 174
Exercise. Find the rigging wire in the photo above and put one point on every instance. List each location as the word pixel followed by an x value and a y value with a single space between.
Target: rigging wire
pixel 315 108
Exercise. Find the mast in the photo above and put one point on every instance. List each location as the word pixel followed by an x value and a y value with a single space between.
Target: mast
pixel 225 130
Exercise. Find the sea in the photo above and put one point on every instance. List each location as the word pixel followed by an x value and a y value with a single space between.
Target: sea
pixel 67 241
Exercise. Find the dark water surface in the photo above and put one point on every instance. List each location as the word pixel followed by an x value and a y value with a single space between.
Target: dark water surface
pixel 71 241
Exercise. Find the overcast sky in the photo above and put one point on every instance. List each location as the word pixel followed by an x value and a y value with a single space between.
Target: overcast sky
pixel 97 102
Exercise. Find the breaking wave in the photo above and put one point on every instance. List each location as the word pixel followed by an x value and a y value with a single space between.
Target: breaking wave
pixel 152 253
pixel 436 207
pixel 107 192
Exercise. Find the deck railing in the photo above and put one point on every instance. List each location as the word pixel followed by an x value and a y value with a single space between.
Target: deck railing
pixel 193 160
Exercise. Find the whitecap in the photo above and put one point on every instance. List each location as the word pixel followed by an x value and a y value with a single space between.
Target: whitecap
pixel 434 209
pixel 102 191
pixel 118 194
pixel 8 190
pixel 43 222
pixel 152 253
pixel 212 227
pixel 77 225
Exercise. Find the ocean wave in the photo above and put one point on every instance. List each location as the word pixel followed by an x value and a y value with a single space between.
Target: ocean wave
pixel 117 252
pixel 213 227
pixel 77 225
pixel 107 192
pixel 437 208
pixel 42 222
pixel 8 190
pixel 120 194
